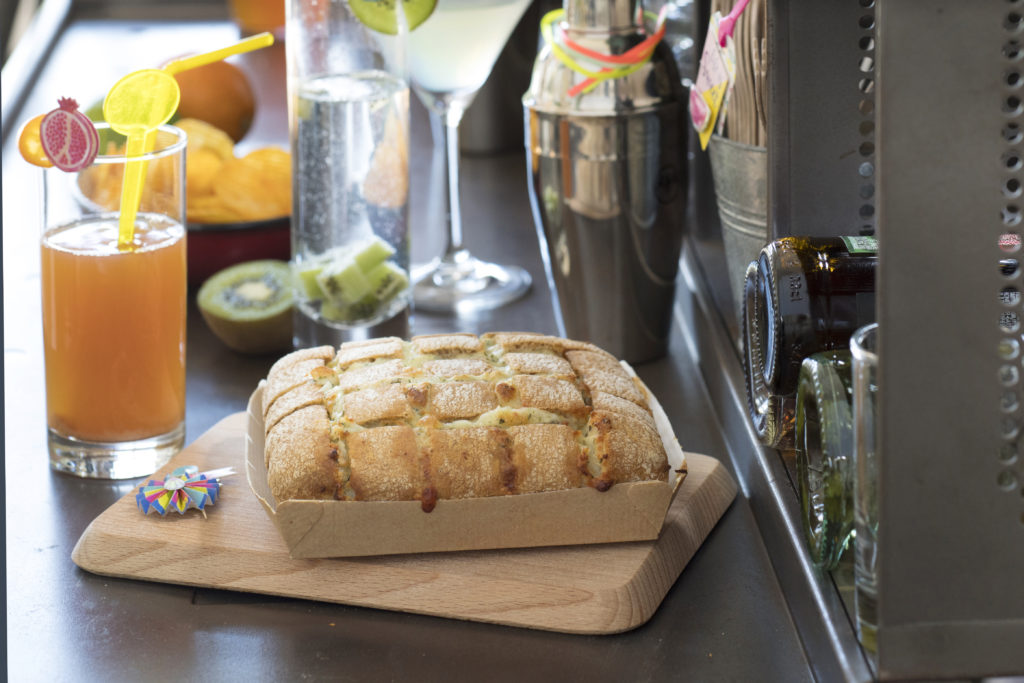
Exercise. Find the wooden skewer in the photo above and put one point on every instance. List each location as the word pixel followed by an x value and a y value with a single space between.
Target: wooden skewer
pixel 759 87
pixel 746 117
pixel 740 86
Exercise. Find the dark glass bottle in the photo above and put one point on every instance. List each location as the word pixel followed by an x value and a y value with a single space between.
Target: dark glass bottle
pixel 802 295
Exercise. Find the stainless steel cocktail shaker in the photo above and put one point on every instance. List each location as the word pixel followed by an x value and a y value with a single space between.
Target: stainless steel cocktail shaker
pixel 607 183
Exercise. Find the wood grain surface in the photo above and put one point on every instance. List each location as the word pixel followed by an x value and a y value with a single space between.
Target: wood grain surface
pixel 574 589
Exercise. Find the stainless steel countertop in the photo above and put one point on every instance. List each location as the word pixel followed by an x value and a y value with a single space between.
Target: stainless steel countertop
pixel 726 618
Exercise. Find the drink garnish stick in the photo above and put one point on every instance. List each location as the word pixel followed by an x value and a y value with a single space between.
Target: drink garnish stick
pixel 728 23
pixel 141 102
pixel 68 138
pixel 256 42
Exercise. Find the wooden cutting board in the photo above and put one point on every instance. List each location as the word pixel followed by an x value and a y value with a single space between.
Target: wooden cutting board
pixel 574 589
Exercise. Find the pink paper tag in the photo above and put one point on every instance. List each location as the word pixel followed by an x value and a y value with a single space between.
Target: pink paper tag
pixel 715 77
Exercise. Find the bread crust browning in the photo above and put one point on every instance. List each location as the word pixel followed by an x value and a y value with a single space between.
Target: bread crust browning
pixel 455 416
pixel 292 370
pixel 599 371
pixel 625 449
pixel 546 458
pixel 446 344
pixel 470 463
pixel 300 396
pixel 302 461
pixel 386 464
pixel 547 393
pixel 370 349
pixel 461 400
pixel 375 404
pixel 538 364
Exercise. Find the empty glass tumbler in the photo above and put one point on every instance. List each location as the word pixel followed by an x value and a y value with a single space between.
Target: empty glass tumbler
pixel 864 346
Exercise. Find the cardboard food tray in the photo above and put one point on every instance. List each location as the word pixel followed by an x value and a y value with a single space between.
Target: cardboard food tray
pixel 632 511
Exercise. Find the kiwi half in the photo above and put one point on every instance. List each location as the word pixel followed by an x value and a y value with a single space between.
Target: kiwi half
pixel 381 15
pixel 249 306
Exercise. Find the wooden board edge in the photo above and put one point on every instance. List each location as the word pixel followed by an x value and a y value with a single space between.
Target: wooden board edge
pixel 628 606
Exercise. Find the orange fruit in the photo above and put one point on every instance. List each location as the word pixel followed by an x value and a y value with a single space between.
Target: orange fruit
pixel 220 94
pixel 31 145
pixel 256 16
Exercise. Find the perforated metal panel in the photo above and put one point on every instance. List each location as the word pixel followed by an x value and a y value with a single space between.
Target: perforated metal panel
pixel 949 168
pixel 821 117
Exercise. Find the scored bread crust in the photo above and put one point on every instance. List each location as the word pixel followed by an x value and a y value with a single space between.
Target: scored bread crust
pixel 455 416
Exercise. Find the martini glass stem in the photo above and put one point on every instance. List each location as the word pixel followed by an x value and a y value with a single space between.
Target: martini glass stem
pixel 457 282
pixel 446 124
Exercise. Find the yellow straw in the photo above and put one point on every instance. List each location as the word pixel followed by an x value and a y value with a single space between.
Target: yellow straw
pixel 260 40
pixel 131 188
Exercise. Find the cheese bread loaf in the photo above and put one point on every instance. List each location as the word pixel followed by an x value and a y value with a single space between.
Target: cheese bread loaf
pixel 455 416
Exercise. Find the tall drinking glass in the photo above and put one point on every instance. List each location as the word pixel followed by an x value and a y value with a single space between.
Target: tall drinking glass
pixel 864 346
pixel 114 317
pixel 450 56
pixel 349 121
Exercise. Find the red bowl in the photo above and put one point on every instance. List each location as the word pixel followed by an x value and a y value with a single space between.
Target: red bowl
pixel 215 246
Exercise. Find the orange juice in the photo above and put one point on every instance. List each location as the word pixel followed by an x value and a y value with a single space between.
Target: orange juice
pixel 114 329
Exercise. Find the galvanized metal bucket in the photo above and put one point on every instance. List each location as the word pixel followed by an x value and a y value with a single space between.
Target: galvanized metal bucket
pixel 740 174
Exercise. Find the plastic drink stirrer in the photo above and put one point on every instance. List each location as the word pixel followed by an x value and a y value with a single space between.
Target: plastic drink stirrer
pixel 728 23
pixel 141 102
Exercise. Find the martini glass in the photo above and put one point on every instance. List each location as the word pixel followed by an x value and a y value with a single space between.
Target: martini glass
pixel 450 56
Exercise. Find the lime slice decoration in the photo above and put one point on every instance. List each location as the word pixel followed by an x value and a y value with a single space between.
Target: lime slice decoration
pixel 382 15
